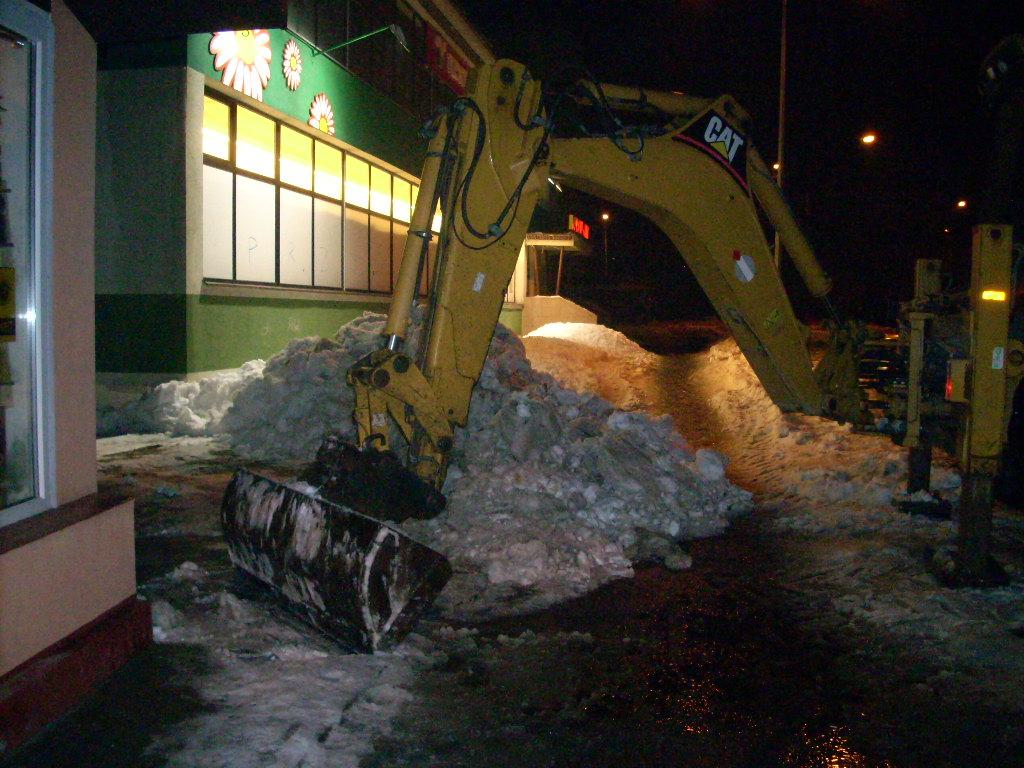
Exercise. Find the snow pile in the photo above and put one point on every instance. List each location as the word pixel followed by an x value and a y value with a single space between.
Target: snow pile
pixel 797 455
pixel 600 360
pixel 547 487
pixel 597 337
pixel 180 408
pixel 302 396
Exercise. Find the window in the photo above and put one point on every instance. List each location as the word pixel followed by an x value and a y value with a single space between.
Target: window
pixel 287 206
pixel 27 479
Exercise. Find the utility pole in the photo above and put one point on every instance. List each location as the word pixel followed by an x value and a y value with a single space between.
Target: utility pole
pixel 782 121
pixel 604 221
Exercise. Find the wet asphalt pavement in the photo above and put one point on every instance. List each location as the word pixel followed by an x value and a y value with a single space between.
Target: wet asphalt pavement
pixel 714 666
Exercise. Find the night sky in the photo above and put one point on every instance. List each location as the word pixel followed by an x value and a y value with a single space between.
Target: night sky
pixel 907 70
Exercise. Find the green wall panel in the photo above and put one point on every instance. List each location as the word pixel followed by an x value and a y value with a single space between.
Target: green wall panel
pixel 226 332
pixel 160 333
pixel 363 117
pixel 140 333
pixel 512 318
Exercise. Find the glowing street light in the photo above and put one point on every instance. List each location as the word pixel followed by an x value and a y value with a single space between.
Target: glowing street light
pixel 961 203
pixel 776 166
pixel 869 138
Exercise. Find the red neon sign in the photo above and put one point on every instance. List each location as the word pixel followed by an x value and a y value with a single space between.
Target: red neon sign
pixel 579 226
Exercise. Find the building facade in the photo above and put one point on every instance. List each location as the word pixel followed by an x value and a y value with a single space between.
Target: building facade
pixel 256 185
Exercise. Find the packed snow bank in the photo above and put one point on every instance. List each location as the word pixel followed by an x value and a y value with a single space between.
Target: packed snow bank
pixel 551 492
pixel 546 488
pixel 797 455
pixel 591 358
pixel 179 408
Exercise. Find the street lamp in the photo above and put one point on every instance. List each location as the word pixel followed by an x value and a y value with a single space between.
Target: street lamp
pixel 961 203
pixel 868 138
pixel 604 220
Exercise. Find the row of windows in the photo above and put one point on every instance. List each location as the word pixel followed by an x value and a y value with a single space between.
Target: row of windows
pixel 280 206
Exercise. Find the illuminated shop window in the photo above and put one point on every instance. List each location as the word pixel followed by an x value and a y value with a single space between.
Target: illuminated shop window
pixel 216 128
pixel 380 191
pixel 401 200
pixel 380 253
pixel 282 205
pixel 326 244
pixel 357 182
pixel 296 158
pixel 356 250
pixel 254 142
pixel 436 224
pixel 327 174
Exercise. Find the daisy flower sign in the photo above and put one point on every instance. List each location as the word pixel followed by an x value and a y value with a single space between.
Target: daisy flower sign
pixel 321 115
pixel 291 65
pixel 243 59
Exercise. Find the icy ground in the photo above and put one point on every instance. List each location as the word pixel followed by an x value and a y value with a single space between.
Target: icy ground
pixel 855 561
pixel 273 693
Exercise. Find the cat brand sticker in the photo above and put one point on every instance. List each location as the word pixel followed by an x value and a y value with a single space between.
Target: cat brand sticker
pixel 713 135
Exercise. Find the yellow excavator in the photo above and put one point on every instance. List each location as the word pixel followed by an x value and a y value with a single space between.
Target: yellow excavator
pixel 687 164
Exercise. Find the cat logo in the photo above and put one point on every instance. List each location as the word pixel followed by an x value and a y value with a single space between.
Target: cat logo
pixel 714 136
pixel 721 137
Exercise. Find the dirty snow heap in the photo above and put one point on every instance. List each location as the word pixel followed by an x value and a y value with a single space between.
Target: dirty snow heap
pixel 550 492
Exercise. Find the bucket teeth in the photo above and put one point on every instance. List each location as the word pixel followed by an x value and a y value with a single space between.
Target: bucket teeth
pixel 363 582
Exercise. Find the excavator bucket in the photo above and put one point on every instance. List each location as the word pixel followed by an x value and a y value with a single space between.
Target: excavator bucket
pixel 359 579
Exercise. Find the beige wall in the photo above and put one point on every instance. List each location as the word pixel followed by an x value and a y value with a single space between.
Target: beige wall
pixel 541 310
pixel 55 585
pixel 74 161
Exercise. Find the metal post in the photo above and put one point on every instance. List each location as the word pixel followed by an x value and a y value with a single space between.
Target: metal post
pixel 919 468
pixel 558 280
pixel 975 531
pixel 782 120
pixel 606 249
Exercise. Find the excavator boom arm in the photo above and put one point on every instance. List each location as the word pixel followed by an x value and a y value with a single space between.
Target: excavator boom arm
pixel 698 178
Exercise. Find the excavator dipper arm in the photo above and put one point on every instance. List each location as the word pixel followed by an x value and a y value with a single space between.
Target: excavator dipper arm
pixel 698 177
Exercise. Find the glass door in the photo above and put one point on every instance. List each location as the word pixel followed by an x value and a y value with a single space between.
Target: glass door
pixel 23 159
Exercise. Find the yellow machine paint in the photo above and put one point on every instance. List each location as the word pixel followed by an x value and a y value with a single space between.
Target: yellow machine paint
pixel 990 327
pixel 701 181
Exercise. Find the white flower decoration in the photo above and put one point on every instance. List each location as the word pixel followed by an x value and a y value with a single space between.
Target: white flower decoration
pixel 292 65
pixel 244 59
pixel 321 115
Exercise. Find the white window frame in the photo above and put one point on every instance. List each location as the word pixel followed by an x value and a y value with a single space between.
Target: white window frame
pixel 36 25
